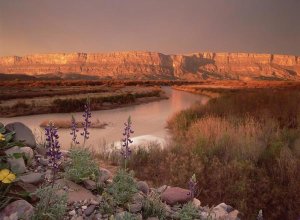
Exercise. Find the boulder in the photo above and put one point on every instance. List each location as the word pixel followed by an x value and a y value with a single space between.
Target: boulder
pixel 143 186
pixel 17 165
pixel 90 184
pixel 32 178
pixel 19 209
pixel 174 195
pixel 104 175
pixel 22 133
pixel 74 191
pixel 28 154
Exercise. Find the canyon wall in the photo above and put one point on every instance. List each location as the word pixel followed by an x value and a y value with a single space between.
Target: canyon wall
pixel 151 65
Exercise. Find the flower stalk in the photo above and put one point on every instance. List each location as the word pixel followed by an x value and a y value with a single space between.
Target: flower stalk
pixel 126 151
pixel 192 186
pixel 86 123
pixel 53 148
pixel 74 131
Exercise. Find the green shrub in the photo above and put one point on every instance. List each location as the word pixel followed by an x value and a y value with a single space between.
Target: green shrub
pixel 82 165
pixel 126 216
pixel 123 187
pixel 108 204
pixel 51 205
pixel 154 207
pixel 188 212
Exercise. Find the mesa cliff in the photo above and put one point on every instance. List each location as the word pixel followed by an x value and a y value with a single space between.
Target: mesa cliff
pixel 151 65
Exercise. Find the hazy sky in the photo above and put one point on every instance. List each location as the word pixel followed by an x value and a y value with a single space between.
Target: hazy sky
pixel 167 26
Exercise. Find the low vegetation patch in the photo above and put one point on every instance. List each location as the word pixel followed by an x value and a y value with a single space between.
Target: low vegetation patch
pixel 123 187
pixel 243 148
pixel 82 165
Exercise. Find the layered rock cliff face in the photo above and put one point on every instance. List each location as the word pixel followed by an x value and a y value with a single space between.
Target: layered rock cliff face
pixel 150 65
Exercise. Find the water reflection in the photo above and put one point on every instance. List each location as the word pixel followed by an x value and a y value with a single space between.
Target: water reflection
pixel 149 120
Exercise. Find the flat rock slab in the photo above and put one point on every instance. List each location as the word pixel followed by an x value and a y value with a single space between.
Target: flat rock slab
pixel 23 133
pixel 174 195
pixel 74 191
pixel 32 178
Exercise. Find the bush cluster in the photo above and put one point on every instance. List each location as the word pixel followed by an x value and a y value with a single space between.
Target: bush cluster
pixel 243 148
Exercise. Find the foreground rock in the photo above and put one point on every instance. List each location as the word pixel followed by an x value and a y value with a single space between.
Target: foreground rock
pixel 22 133
pixel 104 175
pixel 19 209
pixel 32 178
pixel 75 192
pixel 17 164
pixel 174 195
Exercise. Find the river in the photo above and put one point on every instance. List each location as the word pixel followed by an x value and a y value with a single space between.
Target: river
pixel 149 120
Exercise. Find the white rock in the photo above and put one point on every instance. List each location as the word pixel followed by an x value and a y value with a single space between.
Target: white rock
pixel 73 212
pixel 196 203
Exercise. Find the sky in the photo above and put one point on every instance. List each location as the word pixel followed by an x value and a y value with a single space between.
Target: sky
pixel 167 26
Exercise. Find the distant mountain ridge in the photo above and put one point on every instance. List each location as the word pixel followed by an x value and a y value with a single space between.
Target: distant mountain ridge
pixel 152 65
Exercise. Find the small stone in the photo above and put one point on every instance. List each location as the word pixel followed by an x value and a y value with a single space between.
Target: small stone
pixel 41 151
pixel 175 195
pixel 43 161
pixel 153 218
pixel 134 208
pixel 98 216
pixel 48 175
pixel 234 215
pixel 137 198
pixel 196 203
pixel 94 202
pixel 219 211
pixel 143 186
pixel 73 212
pixel 31 178
pixel 104 175
pixel 90 184
pixel 84 207
pixel 89 210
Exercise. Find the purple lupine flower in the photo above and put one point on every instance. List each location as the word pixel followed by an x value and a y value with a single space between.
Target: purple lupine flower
pixel 86 124
pixel 126 151
pixel 192 186
pixel 74 130
pixel 52 146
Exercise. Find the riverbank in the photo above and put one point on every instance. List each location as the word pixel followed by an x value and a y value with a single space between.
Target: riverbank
pixel 214 89
pixel 71 99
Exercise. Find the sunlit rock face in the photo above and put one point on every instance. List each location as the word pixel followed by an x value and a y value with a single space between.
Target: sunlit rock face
pixel 151 65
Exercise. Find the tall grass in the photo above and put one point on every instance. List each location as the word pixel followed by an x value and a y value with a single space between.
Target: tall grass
pixel 244 149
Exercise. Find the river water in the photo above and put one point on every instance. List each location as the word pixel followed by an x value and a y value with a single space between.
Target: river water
pixel 149 120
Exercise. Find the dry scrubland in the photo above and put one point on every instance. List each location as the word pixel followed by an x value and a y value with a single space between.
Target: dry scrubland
pixel 244 148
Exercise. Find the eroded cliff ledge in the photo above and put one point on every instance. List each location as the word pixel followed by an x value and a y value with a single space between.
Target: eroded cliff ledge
pixel 151 65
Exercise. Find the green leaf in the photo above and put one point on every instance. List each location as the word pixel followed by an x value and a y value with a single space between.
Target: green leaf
pixel 9 136
pixel 16 155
